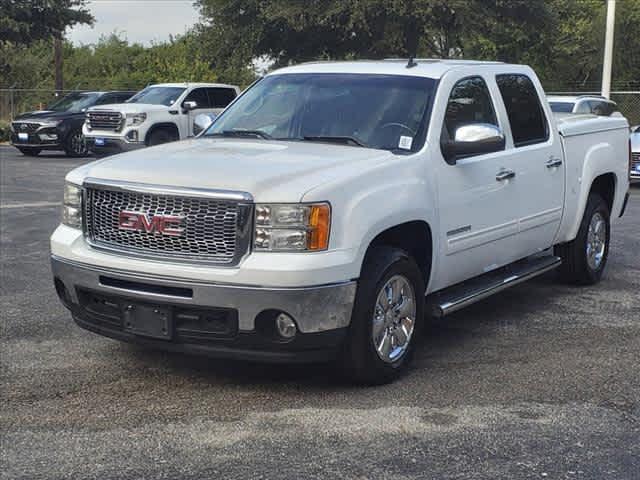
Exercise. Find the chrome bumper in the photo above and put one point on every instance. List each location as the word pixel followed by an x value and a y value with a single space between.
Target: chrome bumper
pixel 315 309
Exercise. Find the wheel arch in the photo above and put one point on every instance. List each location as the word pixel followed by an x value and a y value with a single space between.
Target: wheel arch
pixel 415 237
pixel 159 126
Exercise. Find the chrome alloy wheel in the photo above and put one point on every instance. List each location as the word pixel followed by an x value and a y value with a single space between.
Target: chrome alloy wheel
pixel 394 319
pixel 596 241
pixel 78 144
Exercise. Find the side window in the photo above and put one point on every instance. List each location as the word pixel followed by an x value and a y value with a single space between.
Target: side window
pixel 198 95
pixel 221 97
pixel 469 102
pixel 526 116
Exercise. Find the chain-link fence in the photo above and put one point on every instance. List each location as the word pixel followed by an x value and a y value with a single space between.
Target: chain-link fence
pixel 14 101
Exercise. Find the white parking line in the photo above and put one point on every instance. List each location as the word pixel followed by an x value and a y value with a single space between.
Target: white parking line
pixel 30 205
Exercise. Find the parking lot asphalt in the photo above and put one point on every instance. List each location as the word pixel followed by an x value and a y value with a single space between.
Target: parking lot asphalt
pixel 540 381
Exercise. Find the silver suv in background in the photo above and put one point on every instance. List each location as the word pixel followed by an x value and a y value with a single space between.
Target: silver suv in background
pixel 585 104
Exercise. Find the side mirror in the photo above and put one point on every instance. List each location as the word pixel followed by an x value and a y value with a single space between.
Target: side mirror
pixel 189 105
pixel 202 122
pixel 472 139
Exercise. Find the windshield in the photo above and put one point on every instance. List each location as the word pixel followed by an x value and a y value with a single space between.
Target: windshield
pixel 166 96
pixel 74 102
pixel 375 111
pixel 561 107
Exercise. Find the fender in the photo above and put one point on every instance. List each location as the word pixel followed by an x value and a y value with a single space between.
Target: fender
pixel 581 174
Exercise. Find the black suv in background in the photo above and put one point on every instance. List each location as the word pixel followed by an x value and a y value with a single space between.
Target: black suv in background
pixel 60 126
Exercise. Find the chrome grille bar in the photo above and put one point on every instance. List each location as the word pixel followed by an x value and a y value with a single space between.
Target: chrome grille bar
pixel 103 120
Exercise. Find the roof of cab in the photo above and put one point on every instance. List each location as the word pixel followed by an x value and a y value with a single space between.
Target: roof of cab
pixel 191 84
pixel 423 67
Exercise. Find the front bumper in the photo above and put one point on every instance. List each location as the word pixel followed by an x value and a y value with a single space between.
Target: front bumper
pixel 112 145
pixel 34 141
pixel 244 314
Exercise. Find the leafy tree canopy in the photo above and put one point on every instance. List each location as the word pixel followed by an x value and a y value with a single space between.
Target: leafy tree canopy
pixel 27 21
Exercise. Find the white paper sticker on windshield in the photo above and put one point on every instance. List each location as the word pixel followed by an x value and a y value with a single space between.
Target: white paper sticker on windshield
pixel 405 143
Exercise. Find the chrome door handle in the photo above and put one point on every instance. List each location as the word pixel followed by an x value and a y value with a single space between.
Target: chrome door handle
pixel 554 162
pixel 505 175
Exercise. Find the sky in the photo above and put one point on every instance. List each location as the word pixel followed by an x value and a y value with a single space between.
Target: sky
pixel 140 21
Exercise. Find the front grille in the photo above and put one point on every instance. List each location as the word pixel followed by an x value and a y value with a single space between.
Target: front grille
pixel 214 230
pixel 635 162
pixel 105 120
pixel 25 127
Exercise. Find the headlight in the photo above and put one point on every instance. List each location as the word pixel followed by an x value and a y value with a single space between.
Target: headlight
pixel 72 206
pixel 135 118
pixel 50 123
pixel 292 227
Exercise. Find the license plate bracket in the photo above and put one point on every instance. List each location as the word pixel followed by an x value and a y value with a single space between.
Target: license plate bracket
pixel 147 320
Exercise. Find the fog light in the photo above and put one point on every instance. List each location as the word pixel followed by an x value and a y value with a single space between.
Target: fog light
pixel 132 135
pixel 286 326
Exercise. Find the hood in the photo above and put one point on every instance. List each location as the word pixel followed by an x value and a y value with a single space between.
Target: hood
pixel 272 171
pixel 130 108
pixel 44 115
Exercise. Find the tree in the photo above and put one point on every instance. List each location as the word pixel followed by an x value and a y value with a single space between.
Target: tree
pixel 25 21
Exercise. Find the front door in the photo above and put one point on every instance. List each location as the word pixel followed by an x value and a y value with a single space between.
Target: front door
pixel 203 105
pixel 478 222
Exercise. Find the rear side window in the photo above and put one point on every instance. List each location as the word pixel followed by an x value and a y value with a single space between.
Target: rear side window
pixel 469 102
pixel 221 97
pixel 526 116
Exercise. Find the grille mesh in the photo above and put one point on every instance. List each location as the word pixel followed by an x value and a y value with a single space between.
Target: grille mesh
pixel 25 127
pixel 105 120
pixel 210 225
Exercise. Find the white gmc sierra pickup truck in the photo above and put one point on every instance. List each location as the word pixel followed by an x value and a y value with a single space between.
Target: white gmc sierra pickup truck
pixel 333 207
pixel 158 114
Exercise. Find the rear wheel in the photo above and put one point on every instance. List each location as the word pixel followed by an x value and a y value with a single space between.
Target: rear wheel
pixel 162 135
pixel 387 317
pixel 584 258
pixel 76 145
pixel 30 152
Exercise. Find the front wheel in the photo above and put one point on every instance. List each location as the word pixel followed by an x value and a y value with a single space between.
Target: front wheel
pixel 76 145
pixel 584 258
pixel 387 317
pixel 162 135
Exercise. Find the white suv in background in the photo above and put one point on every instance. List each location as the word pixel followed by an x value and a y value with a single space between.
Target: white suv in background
pixel 584 104
pixel 158 114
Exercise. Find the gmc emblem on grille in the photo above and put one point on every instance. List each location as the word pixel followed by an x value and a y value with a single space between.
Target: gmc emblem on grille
pixel 170 225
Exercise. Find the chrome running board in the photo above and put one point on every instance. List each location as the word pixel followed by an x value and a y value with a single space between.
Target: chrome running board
pixel 458 296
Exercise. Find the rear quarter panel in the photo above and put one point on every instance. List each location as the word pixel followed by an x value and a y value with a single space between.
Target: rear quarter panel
pixel 587 156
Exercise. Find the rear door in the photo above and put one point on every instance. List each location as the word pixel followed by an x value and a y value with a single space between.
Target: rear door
pixel 536 156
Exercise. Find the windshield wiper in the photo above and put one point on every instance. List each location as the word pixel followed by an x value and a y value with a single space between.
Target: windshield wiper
pixel 245 133
pixel 343 140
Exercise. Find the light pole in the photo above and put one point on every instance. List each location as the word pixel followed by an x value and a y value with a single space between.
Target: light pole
pixel 608 49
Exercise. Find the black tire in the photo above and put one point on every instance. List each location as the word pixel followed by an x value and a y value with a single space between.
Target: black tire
pixel 30 152
pixel 75 145
pixel 576 267
pixel 162 135
pixel 360 360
